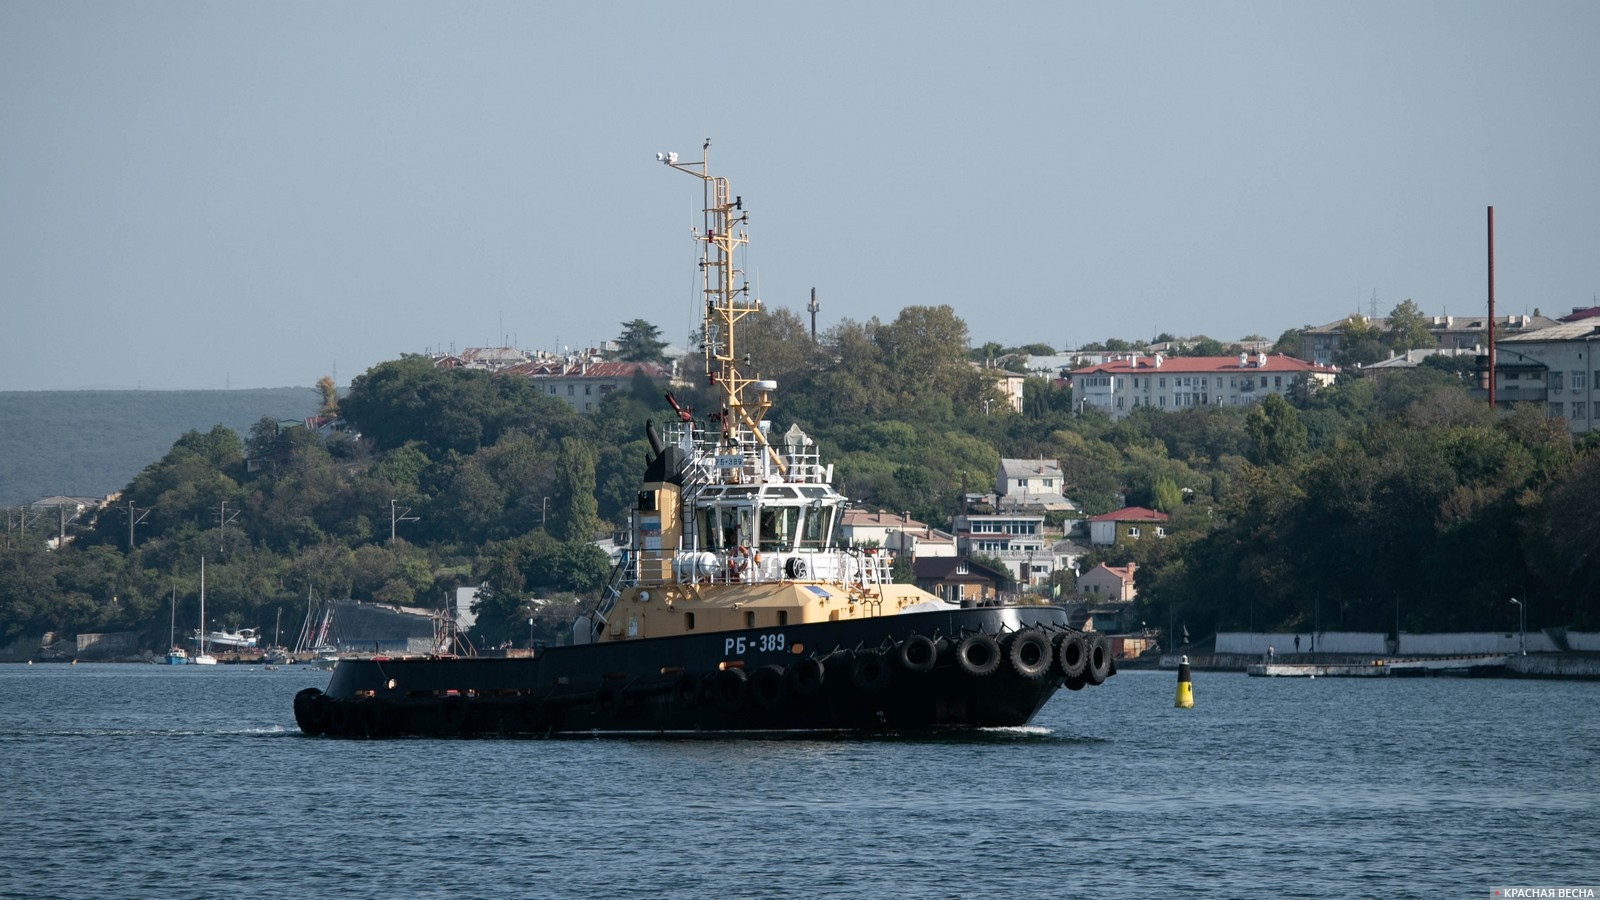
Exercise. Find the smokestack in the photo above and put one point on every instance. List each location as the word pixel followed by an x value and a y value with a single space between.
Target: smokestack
pixel 1491 307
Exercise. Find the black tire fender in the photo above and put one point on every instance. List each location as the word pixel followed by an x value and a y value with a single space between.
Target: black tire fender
pixel 372 717
pixel 978 654
pixel 870 672
pixel 1072 655
pixel 1099 658
pixel 917 653
pixel 454 711
pixel 731 688
pixel 311 712
pixel 690 689
pixel 530 713
pixel 806 676
pixel 769 687
pixel 1030 654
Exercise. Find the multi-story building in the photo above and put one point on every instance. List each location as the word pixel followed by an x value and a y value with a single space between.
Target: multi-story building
pixel 1554 368
pixel 1321 344
pixel 1030 484
pixel 1015 538
pixel 1119 386
pixel 583 384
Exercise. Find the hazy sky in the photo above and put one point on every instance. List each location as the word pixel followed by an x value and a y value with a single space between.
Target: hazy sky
pixel 256 194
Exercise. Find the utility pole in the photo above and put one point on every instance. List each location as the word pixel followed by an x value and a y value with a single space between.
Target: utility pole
pixel 396 516
pixel 222 525
pixel 813 307
pixel 134 518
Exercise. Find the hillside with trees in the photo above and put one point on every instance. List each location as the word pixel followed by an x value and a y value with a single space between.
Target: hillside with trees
pixel 1344 508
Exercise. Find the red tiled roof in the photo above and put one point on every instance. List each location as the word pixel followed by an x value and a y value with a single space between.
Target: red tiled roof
pixel 557 369
pixel 1184 365
pixel 1131 514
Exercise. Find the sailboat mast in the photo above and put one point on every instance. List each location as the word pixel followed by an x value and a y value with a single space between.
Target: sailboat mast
pixel 202 606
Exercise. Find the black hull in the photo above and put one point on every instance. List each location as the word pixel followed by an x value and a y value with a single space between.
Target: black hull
pixel 901 674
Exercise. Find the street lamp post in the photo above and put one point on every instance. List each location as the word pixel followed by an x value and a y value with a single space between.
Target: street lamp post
pixel 1522 625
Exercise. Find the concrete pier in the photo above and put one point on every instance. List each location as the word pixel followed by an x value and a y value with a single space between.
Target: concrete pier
pixel 1393 667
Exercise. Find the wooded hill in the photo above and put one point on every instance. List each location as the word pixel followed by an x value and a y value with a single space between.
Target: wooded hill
pixel 1346 508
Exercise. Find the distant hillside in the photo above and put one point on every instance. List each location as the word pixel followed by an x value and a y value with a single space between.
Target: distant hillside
pixel 90 443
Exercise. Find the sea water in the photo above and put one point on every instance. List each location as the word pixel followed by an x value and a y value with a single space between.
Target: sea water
pixel 151 781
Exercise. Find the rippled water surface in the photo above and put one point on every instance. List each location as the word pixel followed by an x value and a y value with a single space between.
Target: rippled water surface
pixel 143 781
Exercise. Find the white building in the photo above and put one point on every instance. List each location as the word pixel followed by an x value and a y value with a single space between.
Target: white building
pixel 1119 386
pixel 1555 368
pixel 1030 484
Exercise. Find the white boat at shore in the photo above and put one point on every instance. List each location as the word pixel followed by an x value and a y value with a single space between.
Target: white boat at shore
pixel 203 658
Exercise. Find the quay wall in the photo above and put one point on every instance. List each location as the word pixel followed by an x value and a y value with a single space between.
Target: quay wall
pixel 1554 666
pixel 1379 644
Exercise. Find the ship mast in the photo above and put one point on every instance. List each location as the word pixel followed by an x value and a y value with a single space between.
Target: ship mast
pixel 727 297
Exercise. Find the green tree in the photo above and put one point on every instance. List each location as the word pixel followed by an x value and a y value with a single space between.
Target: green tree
pixel 640 342
pixel 573 510
pixel 1408 329
pixel 1166 495
pixel 1360 344
pixel 1276 435
pixel 329 394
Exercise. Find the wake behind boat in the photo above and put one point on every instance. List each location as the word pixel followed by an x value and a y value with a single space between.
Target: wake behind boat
pixel 734 610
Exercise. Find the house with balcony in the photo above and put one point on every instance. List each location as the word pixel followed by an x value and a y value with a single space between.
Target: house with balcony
pixel 1016 538
pixel 1553 368
pixel 1119 386
pixel 1130 523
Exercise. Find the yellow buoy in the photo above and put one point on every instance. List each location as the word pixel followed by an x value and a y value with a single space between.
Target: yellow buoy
pixel 1185 698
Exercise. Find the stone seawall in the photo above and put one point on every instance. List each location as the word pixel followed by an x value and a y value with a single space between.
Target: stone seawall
pixel 1555 665
pixel 1576 666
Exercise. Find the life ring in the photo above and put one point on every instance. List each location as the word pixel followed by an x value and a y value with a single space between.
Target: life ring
pixel 732 686
pixel 768 687
pixel 870 672
pixel 311 712
pixel 917 653
pixel 1030 654
pixel 1099 659
pixel 454 712
pixel 1072 656
pixel 796 568
pixel 978 654
pixel 806 676
pixel 690 689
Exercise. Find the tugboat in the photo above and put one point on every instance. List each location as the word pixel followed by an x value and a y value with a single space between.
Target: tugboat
pixel 734 611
